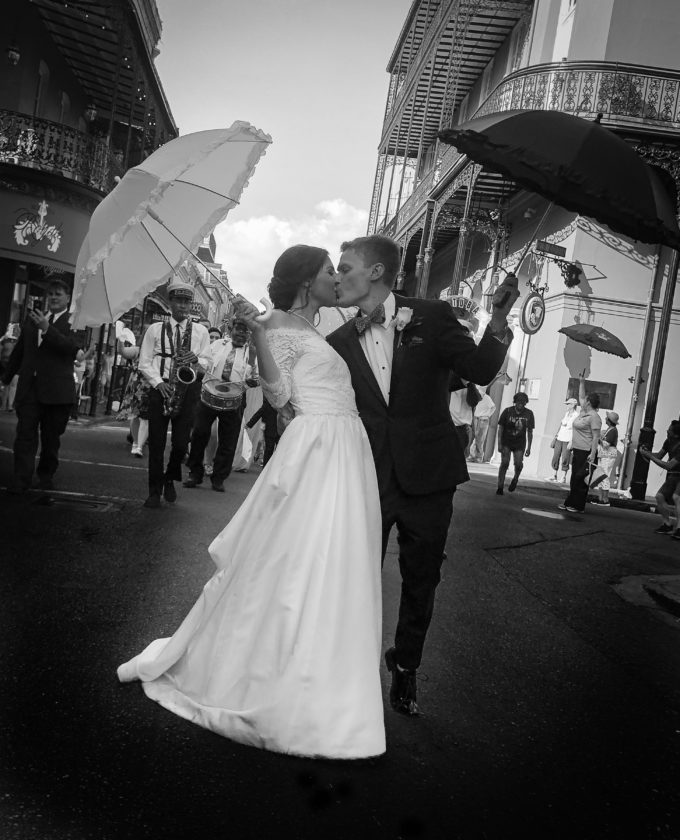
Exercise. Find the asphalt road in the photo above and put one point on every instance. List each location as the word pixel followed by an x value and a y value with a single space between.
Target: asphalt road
pixel 551 703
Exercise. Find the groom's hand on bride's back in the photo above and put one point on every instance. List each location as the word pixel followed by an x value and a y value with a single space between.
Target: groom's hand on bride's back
pixel 283 417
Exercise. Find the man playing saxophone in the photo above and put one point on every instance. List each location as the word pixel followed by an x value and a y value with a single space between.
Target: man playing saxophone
pixel 169 349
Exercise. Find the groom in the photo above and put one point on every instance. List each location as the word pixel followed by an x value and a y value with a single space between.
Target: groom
pixel 400 352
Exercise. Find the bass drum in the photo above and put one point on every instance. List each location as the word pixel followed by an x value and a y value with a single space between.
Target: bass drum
pixel 222 396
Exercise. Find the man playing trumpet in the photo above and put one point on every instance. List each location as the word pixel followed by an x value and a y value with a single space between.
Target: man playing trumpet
pixel 170 350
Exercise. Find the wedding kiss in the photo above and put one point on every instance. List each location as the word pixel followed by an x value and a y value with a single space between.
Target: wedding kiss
pixel 282 649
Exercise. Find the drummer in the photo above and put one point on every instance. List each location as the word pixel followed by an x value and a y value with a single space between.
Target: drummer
pixel 229 364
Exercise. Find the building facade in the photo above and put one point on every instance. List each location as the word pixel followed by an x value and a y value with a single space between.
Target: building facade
pixel 459 224
pixel 80 103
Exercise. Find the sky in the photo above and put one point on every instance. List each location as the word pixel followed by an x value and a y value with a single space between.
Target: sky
pixel 312 74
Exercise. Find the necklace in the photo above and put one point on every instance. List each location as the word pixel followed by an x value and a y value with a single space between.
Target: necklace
pixel 297 315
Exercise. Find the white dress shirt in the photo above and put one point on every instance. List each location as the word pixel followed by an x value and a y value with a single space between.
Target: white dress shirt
pixel 377 342
pixel 150 354
pixel 220 351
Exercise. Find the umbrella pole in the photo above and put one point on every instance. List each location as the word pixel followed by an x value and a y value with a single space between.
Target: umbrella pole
pixel 160 221
pixel 526 250
pixel 534 235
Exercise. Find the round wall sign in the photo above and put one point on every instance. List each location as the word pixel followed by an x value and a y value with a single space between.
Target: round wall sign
pixel 532 314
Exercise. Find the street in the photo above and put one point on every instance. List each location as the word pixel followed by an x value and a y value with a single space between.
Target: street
pixel 551 702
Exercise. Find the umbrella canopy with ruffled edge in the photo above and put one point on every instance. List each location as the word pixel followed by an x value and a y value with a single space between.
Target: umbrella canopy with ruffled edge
pixel 596 337
pixel 158 213
pixel 579 164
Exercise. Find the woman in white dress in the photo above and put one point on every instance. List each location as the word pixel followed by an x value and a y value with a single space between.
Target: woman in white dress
pixel 282 648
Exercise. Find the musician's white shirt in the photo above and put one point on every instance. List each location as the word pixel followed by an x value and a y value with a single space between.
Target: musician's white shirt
pixel 150 354
pixel 220 351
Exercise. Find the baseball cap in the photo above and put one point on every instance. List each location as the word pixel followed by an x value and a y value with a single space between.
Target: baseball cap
pixel 571 401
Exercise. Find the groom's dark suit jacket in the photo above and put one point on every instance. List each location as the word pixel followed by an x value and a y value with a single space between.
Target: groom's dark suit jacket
pixel 48 365
pixel 414 435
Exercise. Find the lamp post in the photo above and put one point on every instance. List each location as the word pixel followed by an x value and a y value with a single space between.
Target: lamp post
pixel 638 484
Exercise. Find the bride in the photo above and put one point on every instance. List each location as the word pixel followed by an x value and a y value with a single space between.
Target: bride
pixel 282 648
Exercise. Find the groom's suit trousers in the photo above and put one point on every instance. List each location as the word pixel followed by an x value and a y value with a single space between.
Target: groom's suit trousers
pixel 422 527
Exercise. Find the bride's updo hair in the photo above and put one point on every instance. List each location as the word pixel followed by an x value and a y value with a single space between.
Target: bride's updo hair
pixel 296 266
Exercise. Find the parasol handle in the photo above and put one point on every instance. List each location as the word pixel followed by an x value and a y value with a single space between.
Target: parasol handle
pixel 504 299
pixel 268 310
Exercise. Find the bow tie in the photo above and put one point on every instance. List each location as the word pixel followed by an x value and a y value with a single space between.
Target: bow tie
pixel 362 322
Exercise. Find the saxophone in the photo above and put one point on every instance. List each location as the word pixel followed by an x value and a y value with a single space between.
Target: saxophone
pixel 180 377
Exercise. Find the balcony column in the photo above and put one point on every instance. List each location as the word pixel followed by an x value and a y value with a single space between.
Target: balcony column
pixel 403 167
pixel 428 255
pixel 465 228
pixel 373 216
pixel 395 140
pixel 424 123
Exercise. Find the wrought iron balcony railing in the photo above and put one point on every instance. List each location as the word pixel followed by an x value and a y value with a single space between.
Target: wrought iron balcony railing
pixel 52 147
pixel 627 94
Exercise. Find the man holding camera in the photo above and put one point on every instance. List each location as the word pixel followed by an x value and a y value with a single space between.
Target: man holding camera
pixel 43 357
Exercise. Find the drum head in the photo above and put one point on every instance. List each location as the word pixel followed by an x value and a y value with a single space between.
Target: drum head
pixel 223 389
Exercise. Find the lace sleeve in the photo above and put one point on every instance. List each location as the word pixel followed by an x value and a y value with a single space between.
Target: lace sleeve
pixel 285 348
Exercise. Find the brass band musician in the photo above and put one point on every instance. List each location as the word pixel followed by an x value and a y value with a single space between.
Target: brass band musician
pixel 169 353
pixel 230 362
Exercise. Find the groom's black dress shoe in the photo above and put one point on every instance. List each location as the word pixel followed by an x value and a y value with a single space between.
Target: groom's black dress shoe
pixel 403 691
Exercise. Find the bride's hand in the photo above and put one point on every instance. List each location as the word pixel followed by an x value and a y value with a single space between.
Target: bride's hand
pixel 244 310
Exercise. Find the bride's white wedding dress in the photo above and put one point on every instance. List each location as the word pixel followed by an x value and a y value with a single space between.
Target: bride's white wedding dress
pixel 282 648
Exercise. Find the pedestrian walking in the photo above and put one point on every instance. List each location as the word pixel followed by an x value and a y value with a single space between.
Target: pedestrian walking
pixel 481 418
pixel 515 436
pixel 585 436
pixel 7 392
pixel 606 456
pixel 561 443
pixel 668 495
pixel 464 397
pixel 43 358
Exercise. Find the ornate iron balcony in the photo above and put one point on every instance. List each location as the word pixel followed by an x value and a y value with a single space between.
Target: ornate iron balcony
pixel 52 147
pixel 627 94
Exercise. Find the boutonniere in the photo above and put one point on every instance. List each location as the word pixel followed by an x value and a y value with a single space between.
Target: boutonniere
pixel 404 322
pixel 402 318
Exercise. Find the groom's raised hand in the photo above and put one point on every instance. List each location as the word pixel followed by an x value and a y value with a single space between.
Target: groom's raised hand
pixel 505 296
pixel 502 302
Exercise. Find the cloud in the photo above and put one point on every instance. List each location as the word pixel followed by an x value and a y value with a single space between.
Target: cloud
pixel 249 248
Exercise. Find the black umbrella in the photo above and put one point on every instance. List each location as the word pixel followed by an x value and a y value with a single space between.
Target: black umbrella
pixel 596 337
pixel 576 163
